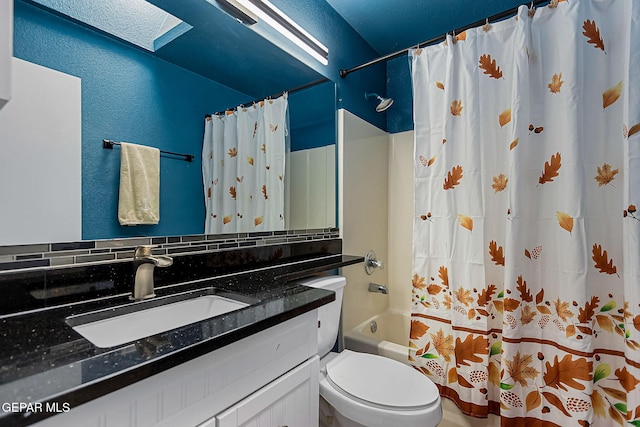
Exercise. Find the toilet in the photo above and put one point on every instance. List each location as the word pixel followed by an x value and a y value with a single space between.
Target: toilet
pixel 361 389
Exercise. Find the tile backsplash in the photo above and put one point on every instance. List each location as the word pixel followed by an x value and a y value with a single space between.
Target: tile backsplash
pixel 100 251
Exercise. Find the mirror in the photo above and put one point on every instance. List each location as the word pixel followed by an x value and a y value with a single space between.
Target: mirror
pixel 128 94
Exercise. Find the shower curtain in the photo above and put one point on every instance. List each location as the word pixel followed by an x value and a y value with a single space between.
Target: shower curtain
pixel 243 168
pixel 526 250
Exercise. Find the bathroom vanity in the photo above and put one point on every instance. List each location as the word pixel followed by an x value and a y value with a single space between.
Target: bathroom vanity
pixel 257 361
pixel 271 375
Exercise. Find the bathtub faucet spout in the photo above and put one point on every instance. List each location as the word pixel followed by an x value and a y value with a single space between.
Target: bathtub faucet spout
pixel 374 287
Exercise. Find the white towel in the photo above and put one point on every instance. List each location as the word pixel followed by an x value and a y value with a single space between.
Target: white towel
pixel 139 201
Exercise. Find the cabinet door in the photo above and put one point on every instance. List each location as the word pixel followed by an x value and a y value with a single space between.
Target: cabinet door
pixel 289 401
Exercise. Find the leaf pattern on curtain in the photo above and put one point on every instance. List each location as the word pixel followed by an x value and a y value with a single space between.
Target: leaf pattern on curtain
pixel 243 168
pixel 605 175
pixel 504 117
pixel 592 33
pixel 556 83
pixel 456 107
pixel 534 316
pixel 490 67
pixel 551 169
pixel 611 95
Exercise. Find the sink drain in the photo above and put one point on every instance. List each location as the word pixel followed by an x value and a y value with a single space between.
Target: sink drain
pixel 374 326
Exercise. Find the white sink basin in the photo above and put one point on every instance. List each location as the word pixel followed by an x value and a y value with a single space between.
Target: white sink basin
pixel 129 327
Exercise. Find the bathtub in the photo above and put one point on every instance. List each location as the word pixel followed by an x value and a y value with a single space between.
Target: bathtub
pixel 390 339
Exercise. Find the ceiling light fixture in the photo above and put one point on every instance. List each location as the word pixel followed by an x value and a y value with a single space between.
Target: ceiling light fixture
pixel 275 18
pixel 238 11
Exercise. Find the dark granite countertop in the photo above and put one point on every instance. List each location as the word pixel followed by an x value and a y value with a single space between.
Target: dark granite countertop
pixel 42 359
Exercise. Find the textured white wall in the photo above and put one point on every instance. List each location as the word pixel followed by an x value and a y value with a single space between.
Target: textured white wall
pixel 40 164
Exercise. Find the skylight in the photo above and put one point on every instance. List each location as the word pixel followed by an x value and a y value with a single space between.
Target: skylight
pixel 135 21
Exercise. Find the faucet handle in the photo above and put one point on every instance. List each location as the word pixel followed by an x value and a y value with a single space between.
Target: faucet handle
pixel 143 251
pixel 371 263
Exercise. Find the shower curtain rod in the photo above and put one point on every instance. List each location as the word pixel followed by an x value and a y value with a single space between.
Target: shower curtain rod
pixel 295 89
pixel 502 15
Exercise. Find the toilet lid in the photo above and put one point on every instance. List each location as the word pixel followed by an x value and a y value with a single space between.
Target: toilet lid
pixel 380 380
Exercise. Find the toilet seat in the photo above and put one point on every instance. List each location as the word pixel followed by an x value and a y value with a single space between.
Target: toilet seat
pixel 381 381
pixel 376 391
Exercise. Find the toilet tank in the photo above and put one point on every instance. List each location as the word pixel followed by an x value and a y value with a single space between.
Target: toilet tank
pixel 329 314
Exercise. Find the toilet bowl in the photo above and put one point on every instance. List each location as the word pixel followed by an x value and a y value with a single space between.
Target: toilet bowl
pixel 361 389
pixel 374 391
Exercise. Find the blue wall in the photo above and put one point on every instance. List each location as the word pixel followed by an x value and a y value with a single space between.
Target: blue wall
pixel 127 95
pixel 312 117
pixel 400 115
pixel 351 91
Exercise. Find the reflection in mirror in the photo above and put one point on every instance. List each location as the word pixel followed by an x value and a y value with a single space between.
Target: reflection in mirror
pixel 245 155
pixel 59 184
pixel 312 172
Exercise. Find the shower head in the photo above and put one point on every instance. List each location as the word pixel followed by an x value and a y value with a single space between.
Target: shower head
pixel 384 104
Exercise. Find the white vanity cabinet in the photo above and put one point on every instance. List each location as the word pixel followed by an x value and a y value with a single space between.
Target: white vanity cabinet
pixel 291 400
pixel 271 374
pixel 6 49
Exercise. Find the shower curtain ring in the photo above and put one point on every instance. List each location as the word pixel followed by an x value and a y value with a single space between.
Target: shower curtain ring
pixel 486 27
pixel 532 10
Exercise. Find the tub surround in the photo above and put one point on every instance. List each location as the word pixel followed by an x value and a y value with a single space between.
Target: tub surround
pixel 44 360
pixel 364 213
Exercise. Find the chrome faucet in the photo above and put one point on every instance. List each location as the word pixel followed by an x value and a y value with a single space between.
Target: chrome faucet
pixel 371 263
pixel 374 287
pixel 143 264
